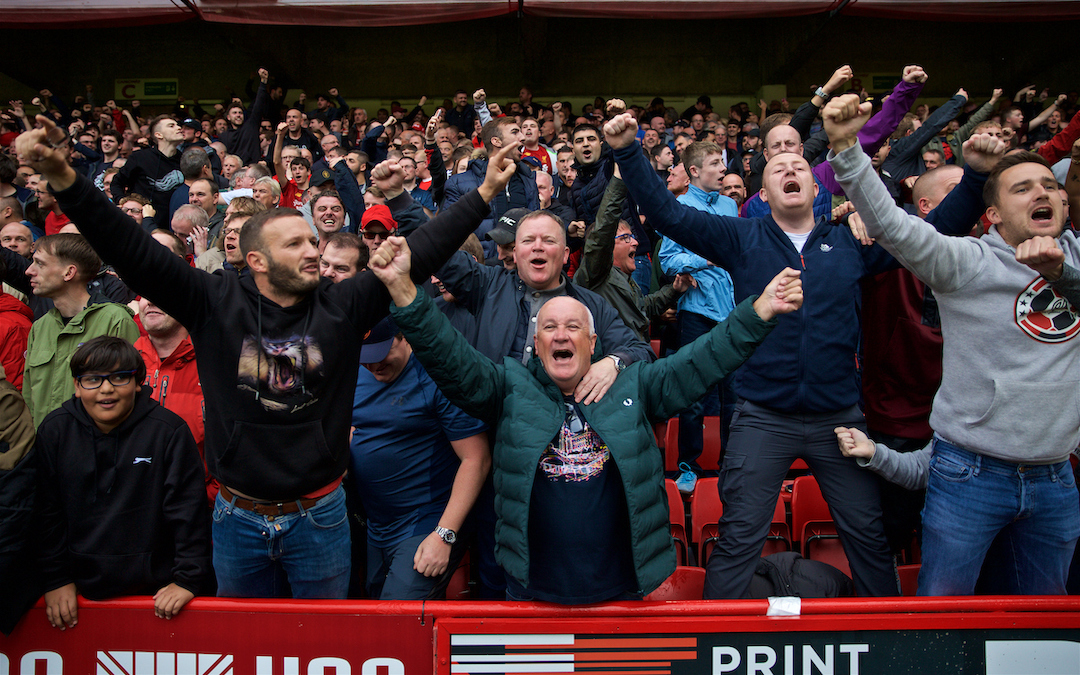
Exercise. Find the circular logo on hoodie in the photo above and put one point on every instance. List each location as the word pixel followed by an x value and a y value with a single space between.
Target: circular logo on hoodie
pixel 1045 315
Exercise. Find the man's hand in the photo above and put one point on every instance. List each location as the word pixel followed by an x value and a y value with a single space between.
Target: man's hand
pixel 334 92
pixel 389 177
pixel 264 75
pixel 621 131
pixel 17 108
pixel 198 239
pixel 392 263
pixel 842 210
pixel 282 127
pixel 576 229
pixel 858 229
pixel 683 282
pixel 500 167
pixel 1043 255
pixel 169 600
pixel 556 107
pixel 914 75
pixel 62 607
pixel 432 556
pixel 843 118
pixel 1060 100
pixel 854 443
pixel 615 106
pixel 982 152
pixel 782 296
pixel 40 149
pixel 496 110
pixel 596 382
pixel 135 103
pixel 45 93
pixel 423 100
pixel 961 92
pixel 479 96
pixel 996 95
pixel 842 75
pixel 432 127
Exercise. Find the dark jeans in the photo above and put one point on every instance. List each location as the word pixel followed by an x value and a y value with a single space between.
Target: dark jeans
pixel 763 445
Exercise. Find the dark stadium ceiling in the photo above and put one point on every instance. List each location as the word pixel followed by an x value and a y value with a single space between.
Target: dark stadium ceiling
pixel 374 13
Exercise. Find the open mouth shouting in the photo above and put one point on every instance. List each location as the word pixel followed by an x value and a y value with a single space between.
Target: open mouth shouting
pixel 792 185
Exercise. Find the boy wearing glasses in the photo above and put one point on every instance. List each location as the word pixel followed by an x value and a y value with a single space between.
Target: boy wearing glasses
pixel 132 517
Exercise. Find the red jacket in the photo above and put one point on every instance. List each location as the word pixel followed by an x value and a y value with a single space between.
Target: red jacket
pixel 15 320
pixel 174 383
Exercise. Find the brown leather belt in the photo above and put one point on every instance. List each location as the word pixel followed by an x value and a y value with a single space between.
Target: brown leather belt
pixel 267 508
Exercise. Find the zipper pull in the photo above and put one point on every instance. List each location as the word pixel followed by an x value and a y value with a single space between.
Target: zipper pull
pixel 802 260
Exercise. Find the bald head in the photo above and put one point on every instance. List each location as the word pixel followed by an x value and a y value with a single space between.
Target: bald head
pixel 933 186
pixel 565 339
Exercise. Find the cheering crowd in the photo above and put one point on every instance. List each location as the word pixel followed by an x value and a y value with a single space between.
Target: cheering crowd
pixel 882 289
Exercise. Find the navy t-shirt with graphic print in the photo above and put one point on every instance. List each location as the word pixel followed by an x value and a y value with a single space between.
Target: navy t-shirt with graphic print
pixel 579 525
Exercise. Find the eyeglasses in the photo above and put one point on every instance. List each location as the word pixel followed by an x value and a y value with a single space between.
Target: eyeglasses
pixel 230 231
pixel 118 379
pixel 132 210
pixel 377 235
pixel 626 238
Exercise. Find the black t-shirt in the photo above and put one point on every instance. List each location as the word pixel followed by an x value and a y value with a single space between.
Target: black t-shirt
pixel 579 525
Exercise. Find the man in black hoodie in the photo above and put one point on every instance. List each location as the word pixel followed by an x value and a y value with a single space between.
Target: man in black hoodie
pixel 277 354
pixel 242 136
pixel 154 172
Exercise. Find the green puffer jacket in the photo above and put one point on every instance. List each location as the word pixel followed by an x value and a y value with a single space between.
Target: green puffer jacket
pixel 528 410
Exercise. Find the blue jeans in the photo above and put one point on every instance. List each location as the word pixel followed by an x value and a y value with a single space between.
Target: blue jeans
pixel 262 556
pixel 972 498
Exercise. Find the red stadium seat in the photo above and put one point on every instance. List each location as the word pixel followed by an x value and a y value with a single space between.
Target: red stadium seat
pixel 458 588
pixel 711 453
pixel 813 525
pixel 655 347
pixel 909 579
pixel 705 512
pixel 677 518
pixel 687 583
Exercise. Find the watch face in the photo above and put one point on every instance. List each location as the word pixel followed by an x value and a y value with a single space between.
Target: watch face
pixel 448 535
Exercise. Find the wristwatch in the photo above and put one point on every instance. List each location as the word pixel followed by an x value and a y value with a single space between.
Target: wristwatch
pixel 821 92
pixel 619 364
pixel 448 535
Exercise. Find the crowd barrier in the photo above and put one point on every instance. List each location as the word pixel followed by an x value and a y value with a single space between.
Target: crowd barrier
pixel 218 636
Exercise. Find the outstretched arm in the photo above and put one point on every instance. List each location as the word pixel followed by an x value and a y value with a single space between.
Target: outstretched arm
pixel 715 238
pixel 909 470
pixel 146 266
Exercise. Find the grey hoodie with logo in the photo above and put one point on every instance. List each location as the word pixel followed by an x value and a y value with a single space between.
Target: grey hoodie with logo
pixel 1011 359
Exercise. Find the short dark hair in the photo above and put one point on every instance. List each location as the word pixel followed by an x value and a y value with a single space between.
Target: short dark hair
pixel 331 193
pixel 493 129
pixel 72 248
pixel 251 238
pixel 301 161
pixel 583 127
pixel 105 353
pixel 350 242
pixel 990 189
pixel 695 153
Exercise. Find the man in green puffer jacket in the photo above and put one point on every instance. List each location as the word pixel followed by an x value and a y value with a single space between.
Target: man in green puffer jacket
pixel 582 514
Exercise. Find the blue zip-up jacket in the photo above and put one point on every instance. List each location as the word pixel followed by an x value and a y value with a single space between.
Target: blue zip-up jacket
pixel 714 296
pixel 808 363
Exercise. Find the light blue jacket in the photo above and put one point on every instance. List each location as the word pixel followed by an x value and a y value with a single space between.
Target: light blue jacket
pixel 714 296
